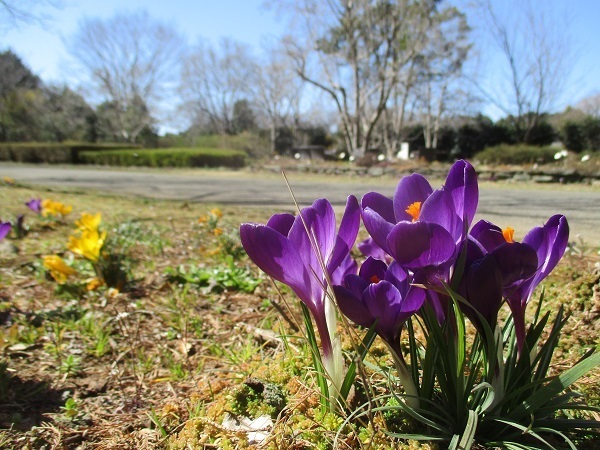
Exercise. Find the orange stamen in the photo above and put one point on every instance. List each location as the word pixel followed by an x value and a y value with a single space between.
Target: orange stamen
pixel 414 209
pixel 375 279
pixel 508 234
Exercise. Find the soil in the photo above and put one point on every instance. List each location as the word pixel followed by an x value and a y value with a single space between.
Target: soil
pixel 174 352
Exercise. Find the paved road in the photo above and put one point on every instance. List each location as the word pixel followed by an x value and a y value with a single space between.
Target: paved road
pixel 519 208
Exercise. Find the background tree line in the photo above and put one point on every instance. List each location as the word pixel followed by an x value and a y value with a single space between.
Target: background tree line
pixel 355 75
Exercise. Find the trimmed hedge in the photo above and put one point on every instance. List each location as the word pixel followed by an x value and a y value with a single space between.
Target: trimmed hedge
pixel 516 154
pixel 170 157
pixel 51 153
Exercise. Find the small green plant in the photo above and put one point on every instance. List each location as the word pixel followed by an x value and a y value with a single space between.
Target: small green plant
pixel 70 366
pixel 71 409
pixel 216 279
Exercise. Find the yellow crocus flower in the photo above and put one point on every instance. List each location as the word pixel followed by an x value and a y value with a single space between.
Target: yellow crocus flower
pixel 59 270
pixel 94 283
pixel 89 221
pixel 52 208
pixel 88 244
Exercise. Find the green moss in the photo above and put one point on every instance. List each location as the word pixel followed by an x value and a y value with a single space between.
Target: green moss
pixel 256 397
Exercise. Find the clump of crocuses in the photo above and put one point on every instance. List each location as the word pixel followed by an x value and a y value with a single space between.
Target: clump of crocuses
pixel 429 267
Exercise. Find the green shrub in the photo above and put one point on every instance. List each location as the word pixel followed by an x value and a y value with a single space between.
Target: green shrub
pixel 253 144
pixel 172 157
pixel 516 154
pixel 51 153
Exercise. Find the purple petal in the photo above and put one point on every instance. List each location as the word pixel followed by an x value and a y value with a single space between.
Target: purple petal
pixel 550 243
pixel 461 183
pixel 384 302
pixel 410 189
pixel 314 249
pixel 488 235
pixel 381 204
pixel 516 261
pixel 347 233
pixel 556 238
pixel 439 208
pixel 281 223
pixel 356 284
pixel 482 287
pixel 377 227
pixel 4 229
pixel 35 204
pixel 373 270
pixel 347 267
pixel 278 258
pixel 398 276
pixel 323 226
pixel 475 251
pixel 368 247
pixel 413 301
pixel 353 307
pixel 420 244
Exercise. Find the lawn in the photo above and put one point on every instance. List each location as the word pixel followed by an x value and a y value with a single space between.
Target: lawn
pixel 194 341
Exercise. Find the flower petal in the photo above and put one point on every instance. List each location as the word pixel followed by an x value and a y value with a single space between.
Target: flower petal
pixel 368 247
pixel 352 306
pixel 346 267
pixel 398 276
pixel 482 287
pixel 281 223
pixel 4 229
pixel 439 208
pixel 347 233
pixel 410 189
pixel 384 302
pixel 516 261
pixel 278 258
pixel 381 204
pixel 420 244
pixel 488 235
pixel 461 183
pixel 556 238
pixel 377 227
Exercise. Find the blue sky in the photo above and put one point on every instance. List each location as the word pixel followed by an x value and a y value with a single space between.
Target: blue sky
pixel 41 45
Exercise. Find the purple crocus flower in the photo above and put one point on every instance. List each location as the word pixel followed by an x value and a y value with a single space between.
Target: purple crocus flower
pixel 421 227
pixel 487 274
pixel 307 262
pixel 380 293
pixel 35 204
pixel 549 243
pixel 383 295
pixel 4 229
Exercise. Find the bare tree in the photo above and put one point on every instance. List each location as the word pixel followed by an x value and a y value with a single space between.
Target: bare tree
pixel 131 60
pixel 213 80
pixel 354 51
pixel 276 92
pixel 534 48
pixel 590 105
pixel 15 12
pixel 440 68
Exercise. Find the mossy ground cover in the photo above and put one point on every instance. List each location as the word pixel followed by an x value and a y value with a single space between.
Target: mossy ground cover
pixel 195 336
